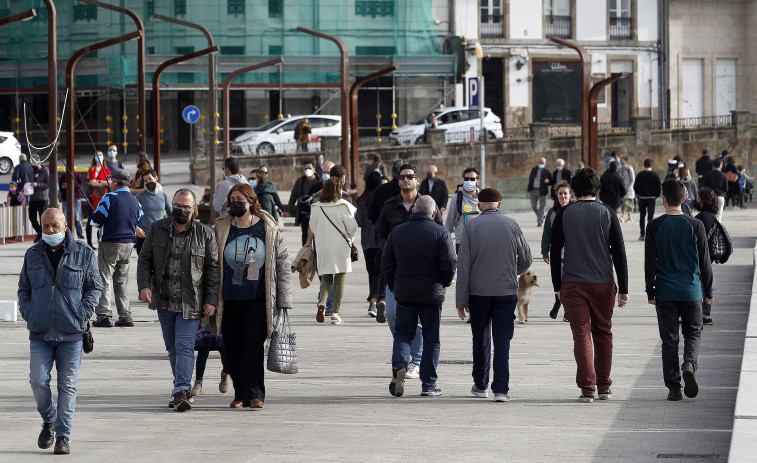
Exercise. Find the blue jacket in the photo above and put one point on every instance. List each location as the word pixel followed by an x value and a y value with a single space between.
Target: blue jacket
pixel 118 214
pixel 419 261
pixel 46 304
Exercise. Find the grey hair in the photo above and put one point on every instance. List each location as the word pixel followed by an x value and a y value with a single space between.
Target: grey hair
pixel 560 161
pixel 186 192
pixel 425 205
pixel 433 168
pixel 22 157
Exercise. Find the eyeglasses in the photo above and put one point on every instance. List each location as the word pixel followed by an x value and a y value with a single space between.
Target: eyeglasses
pixel 407 177
pixel 470 179
pixel 182 207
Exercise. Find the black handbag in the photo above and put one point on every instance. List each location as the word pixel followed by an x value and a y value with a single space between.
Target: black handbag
pixel 87 340
pixel 282 350
pixel 354 255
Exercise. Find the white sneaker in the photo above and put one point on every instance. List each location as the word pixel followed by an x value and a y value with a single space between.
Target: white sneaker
pixel 336 319
pixel 372 310
pixel 413 371
pixel 499 397
pixel 482 394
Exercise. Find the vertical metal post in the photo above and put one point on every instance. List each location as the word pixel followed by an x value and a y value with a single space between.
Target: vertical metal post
pixel 52 96
pixel 481 103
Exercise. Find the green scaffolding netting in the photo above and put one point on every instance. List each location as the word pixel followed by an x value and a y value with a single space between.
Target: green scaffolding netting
pixel 243 28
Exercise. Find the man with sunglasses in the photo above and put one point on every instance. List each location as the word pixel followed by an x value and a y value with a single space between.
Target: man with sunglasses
pixel 178 275
pixel 397 211
pixel 464 205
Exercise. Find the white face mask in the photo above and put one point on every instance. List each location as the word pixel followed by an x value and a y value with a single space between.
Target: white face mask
pixel 55 239
pixel 469 185
pixel 680 166
pixel 541 166
pixel 308 172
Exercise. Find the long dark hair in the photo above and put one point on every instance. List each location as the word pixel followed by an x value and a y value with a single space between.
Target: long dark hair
pixel 372 181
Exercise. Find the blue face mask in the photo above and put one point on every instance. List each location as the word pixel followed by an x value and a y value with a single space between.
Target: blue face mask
pixel 253 183
pixel 99 159
pixel 541 166
pixel 54 240
pixel 326 177
pixel 112 154
pixel 469 185
pixel 429 175
pixel 559 168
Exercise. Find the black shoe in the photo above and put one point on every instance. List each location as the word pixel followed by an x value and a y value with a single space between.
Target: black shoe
pixel 103 323
pixel 690 387
pixel 674 395
pixel 61 446
pixel 435 392
pixel 555 310
pixel 641 237
pixel 381 311
pixel 397 386
pixel 125 322
pixel 46 436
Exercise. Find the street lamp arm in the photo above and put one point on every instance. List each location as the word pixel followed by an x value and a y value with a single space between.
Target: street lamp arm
pixel 596 88
pixel 339 42
pixel 98 46
pixel 584 55
pixel 181 22
pixel 159 70
pixel 23 16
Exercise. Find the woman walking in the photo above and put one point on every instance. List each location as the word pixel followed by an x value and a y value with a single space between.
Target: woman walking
pixel 368 241
pixel 255 280
pixel 563 199
pixel 708 205
pixel 332 230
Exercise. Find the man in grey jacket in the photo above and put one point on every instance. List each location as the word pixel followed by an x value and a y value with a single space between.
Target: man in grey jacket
pixel 493 252
pixel 231 178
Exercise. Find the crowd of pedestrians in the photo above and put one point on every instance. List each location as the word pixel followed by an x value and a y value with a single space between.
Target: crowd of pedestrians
pixel 221 288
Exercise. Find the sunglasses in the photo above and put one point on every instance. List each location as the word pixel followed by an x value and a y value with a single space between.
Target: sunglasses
pixel 407 177
pixel 470 179
pixel 182 207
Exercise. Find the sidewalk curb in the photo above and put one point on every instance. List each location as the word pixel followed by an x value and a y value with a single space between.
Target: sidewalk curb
pixel 743 442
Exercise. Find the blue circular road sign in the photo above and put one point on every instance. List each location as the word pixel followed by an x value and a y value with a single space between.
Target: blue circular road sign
pixel 191 114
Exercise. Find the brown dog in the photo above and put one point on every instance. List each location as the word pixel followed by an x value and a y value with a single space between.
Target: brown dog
pixel 526 281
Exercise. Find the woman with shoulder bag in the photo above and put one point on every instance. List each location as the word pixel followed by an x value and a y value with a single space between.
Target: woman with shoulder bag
pixel 255 281
pixel 332 230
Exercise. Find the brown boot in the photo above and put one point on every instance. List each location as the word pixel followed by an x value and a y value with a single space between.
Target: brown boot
pixel 674 395
pixel 181 401
pixel 690 388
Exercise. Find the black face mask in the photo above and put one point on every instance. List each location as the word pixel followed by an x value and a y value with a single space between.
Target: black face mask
pixel 181 216
pixel 152 186
pixel 238 208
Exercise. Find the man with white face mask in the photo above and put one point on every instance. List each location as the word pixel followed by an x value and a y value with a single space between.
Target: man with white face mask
pixel 58 290
pixel 464 204
pixel 538 186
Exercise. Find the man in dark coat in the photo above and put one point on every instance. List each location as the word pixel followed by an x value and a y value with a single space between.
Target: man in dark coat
pixel 436 188
pixel 418 263
pixel 612 188
pixel 703 165
pixel 560 174
pixel 538 187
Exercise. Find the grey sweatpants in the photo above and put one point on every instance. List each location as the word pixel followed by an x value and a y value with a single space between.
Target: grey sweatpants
pixel 537 204
pixel 113 262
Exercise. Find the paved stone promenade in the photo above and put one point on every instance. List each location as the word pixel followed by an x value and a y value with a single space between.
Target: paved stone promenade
pixel 338 407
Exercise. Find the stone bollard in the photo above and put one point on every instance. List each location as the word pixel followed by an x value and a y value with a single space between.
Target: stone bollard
pixel 331 146
pixel 438 141
pixel 540 136
pixel 741 120
pixel 642 129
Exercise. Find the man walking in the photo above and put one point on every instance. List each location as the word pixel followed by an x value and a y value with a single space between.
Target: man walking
pixel 418 263
pixel 38 203
pixel 231 177
pixel 560 174
pixel 677 272
pixel 493 252
pixel 703 165
pixel 628 176
pixel 181 297
pixel 593 241
pixel 538 186
pixel 436 188
pixel 58 290
pixel 117 214
pixel 298 209
pixel 718 182
pixel 464 205
pixel 23 173
pixel 647 188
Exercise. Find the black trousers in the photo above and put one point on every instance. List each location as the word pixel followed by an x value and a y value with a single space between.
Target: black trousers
pixel 244 329
pixel 304 224
pixel 36 208
pixel 646 208
pixel 140 243
pixel 690 314
pixel 202 361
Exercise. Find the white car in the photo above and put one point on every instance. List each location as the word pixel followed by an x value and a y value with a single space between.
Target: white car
pixel 278 136
pixel 10 150
pixel 457 121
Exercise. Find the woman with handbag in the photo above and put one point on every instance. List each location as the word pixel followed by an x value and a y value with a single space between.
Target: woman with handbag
pixel 98 186
pixel 255 281
pixel 332 230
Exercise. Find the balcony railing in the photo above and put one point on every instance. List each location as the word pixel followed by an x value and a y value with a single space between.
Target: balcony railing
pixel 558 26
pixel 620 28
pixel 492 26
pixel 693 122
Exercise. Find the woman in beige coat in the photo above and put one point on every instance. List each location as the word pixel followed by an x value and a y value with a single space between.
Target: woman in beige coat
pixel 255 281
pixel 332 228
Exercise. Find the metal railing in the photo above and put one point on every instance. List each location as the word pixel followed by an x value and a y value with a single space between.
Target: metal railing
pixel 517 132
pixel 692 122
pixel 266 149
pixel 620 28
pixel 611 127
pixel 564 130
pixel 558 26
pixel 14 221
pixel 492 26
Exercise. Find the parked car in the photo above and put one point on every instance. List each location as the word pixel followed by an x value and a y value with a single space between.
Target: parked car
pixel 10 150
pixel 457 121
pixel 278 136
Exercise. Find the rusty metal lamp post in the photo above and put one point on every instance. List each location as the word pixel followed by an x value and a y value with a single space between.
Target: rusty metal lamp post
pixel 211 101
pixel 344 70
pixel 355 141
pixel 593 131
pixel 225 96
pixel 70 68
pixel 585 60
pixel 156 98
pixel 52 93
pixel 141 105
pixel 23 16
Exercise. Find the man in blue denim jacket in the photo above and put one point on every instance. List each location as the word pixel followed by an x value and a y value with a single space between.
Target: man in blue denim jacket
pixel 58 290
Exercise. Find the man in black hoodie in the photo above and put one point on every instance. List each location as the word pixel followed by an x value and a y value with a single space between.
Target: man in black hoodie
pixel 717 180
pixel 703 165
pixel 647 188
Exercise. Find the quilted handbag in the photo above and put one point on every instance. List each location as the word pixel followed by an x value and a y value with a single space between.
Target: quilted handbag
pixel 282 351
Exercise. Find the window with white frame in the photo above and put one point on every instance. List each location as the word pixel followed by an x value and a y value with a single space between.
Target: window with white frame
pixel 557 18
pixel 492 19
pixel 620 19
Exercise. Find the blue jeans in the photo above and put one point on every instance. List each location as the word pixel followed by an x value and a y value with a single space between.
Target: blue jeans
pixel 405 330
pixel 77 214
pixel 179 338
pixel 67 358
pixel 492 316
pixel 416 348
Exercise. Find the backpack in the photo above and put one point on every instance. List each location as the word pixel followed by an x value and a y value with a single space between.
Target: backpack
pixel 719 243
